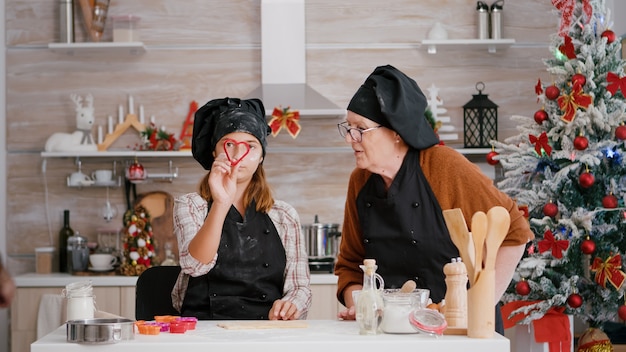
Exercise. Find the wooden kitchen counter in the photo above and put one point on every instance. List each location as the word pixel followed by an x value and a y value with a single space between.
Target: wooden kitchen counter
pixel 319 335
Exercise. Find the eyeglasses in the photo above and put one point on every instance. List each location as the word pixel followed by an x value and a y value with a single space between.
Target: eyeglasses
pixel 355 133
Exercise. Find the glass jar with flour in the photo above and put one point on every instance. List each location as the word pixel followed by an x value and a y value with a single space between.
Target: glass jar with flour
pixel 80 300
pixel 398 307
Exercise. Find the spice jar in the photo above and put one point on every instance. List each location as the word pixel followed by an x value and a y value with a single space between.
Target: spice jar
pixel 398 307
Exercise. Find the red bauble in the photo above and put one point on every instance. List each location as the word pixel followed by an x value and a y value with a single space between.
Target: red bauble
pixel 552 92
pixel 588 246
pixel 579 79
pixel 609 201
pixel 620 132
pixel 581 142
pixel 136 172
pixel 586 179
pixel 621 312
pixel 490 159
pixel 609 35
pixel 575 300
pixel 550 209
pixel 541 116
pixel 522 288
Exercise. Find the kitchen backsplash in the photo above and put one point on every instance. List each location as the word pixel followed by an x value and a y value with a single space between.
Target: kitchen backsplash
pixel 197 50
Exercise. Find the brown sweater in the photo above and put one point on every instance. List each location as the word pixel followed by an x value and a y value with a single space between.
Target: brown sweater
pixel 455 181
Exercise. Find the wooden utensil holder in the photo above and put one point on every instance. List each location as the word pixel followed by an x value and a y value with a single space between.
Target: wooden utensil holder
pixel 481 307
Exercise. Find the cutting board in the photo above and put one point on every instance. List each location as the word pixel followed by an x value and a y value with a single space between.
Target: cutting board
pixel 160 206
pixel 264 324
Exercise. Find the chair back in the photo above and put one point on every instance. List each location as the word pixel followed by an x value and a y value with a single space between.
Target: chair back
pixel 153 292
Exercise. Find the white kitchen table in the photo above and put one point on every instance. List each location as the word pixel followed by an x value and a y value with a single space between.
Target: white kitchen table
pixel 319 336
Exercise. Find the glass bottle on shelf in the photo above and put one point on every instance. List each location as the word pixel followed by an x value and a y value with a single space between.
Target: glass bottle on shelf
pixel 65 233
pixel 369 305
pixel 170 259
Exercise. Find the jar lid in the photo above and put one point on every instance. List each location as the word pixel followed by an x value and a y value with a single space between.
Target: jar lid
pixel 428 321
pixel 76 239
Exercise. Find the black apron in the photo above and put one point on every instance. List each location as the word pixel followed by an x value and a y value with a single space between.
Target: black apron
pixel 404 230
pixel 248 276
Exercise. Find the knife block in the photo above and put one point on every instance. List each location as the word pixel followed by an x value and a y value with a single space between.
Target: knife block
pixel 481 306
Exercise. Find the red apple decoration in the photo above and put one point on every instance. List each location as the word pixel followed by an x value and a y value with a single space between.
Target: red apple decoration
pixel 581 142
pixel 552 92
pixel 586 179
pixel 490 159
pixel 575 300
pixel 609 35
pixel 550 209
pixel 620 132
pixel 621 312
pixel 522 288
pixel 541 116
pixel 609 201
pixel 579 79
pixel 588 246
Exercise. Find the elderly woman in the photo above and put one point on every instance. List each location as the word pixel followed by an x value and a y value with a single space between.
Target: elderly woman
pixel 403 180
pixel 242 253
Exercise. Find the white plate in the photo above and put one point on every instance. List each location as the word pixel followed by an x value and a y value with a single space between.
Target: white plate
pixel 105 183
pixel 101 269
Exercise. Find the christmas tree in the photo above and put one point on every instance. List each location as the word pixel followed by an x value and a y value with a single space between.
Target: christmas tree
pixel 566 168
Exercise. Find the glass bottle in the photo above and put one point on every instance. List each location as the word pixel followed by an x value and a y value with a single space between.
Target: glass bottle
pixel 65 233
pixel 369 305
pixel 170 259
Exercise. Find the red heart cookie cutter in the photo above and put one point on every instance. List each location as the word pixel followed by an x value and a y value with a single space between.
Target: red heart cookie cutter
pixel 235 162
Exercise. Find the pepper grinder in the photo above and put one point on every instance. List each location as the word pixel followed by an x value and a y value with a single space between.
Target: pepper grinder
pixel 456 294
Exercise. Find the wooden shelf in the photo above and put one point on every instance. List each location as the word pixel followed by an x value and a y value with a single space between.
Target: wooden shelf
pixel 120 153
pixel 187 153
pixel 491 45
pixel 132 48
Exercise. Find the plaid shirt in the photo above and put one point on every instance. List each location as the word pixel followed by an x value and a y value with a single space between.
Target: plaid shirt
pixel 191 209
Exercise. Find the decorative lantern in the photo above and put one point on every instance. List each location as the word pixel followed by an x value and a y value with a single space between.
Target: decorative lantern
pixel 480 120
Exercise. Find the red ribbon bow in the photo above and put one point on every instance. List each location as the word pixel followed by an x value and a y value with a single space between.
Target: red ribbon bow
pixel 287 119
pixel 549 242
pixel 567 11
pixel 570 103
pixel 568 48
pixel 608 270
pixel 540 142
pixel 538 87
pixel 615 83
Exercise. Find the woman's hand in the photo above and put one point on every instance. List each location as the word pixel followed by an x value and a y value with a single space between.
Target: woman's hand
pixel 7 288
pixel 347 314
pixel 283 310
pixel 223 180
pixel 350 312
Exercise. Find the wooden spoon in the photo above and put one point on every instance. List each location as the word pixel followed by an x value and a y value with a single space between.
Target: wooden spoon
pixel 457 227
pixel 479 232
pixel 498 223
pixel 408 286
